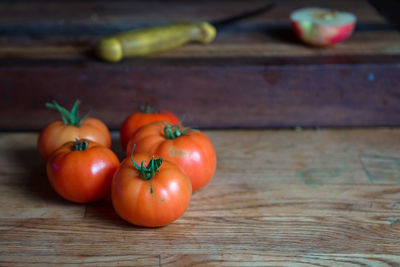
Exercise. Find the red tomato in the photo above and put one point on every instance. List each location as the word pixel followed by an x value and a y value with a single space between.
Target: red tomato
pixel 82 171
pixel 70 128
pixel 153 195
pixel 190 149
pixel 137 120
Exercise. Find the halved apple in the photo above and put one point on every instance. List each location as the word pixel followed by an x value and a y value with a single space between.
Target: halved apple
pixel 321 26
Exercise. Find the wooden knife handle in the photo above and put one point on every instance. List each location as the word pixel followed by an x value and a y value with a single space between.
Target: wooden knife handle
pixel 155 39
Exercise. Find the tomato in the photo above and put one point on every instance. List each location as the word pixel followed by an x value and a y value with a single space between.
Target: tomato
pixel 153 195
pixel 139 119
pixel 82 171
pixel 190 149
pixel 71 127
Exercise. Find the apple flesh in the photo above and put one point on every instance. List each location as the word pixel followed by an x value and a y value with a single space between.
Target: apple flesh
pixel 321 26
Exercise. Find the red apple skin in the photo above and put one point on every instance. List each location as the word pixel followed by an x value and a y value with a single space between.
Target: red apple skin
pixel 323 35
pixel 343 33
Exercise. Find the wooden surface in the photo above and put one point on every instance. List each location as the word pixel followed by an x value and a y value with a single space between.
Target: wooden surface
pixel 278 198
pixel 255 74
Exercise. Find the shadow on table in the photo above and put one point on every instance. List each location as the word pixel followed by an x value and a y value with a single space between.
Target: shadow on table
pixel 33 177
pixel 283 34
pixel 103 210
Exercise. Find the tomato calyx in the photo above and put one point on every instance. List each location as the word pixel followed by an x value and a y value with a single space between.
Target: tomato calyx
pixel 147 109
pixel 68 117
pixel 174 131
pixel 80 145
pixel 150 170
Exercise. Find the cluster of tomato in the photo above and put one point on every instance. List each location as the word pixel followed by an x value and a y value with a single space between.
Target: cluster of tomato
pixel 165 162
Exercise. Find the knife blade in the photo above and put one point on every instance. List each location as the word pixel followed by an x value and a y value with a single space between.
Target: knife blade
pixel 141 42
pixel 389 9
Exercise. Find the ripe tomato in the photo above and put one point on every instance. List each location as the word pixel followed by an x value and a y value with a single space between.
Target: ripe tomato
pixel 59 132
pixel 190 149
pixel 82 171
pixel 153 195
pixel 146 116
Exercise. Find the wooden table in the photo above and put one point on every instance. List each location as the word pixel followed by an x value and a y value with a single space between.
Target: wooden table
pixel 278 197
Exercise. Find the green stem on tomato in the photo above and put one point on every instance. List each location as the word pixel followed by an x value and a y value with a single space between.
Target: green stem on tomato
pixel 174 131
pixel 146 108
pixel 69 117
pixel 80 145
pixel 152 168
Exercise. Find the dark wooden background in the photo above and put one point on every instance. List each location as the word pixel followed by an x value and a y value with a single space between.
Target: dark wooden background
pixel 255 74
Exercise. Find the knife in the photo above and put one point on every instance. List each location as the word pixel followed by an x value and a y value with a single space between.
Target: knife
pixel 389 9
pixel 145 41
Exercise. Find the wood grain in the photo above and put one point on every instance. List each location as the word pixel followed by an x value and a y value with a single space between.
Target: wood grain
pixel 207 95
pixel 246 45
pixel 273 260
pixel 278 198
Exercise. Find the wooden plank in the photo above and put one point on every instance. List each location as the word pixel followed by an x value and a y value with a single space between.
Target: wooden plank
pixel 73 37
pixel 207 95
pixel 278 198
pixel 288 233
pixel 41 259
pixel 244 259
pixel 39 201
pixel 275 43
